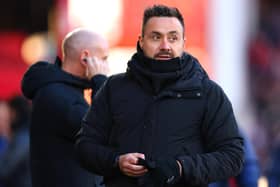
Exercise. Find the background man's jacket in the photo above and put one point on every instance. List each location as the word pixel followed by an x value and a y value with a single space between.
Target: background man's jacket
pixel 58 108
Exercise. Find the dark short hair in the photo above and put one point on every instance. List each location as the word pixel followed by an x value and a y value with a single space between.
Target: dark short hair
pixel 161 11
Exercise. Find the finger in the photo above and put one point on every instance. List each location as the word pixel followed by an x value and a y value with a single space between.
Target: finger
pixel 126 165
pixel 135 167
pixel 139 155
pixel 136 156
pixel 95 60
pixel 144 170
pixel 90 61
pixel 135 173
pixel 129 160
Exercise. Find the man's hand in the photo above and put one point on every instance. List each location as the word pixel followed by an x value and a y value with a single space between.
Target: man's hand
pixel 96 66
pixel 166 171
pixel 128 164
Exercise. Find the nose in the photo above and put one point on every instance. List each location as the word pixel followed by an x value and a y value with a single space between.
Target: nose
pixel 164 45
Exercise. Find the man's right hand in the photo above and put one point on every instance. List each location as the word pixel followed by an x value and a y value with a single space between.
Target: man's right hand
pixel 96 66
pixel 128 164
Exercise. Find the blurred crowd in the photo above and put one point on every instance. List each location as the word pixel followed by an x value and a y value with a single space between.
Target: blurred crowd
pixel 14 142
pixel 264 67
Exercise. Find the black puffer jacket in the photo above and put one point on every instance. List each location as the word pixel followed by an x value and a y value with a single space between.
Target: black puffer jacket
pixel 162 109
pixel 58 108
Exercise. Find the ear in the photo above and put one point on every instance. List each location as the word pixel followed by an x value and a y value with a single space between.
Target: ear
pixel 184 44
pixel 140 40
pixel 84 57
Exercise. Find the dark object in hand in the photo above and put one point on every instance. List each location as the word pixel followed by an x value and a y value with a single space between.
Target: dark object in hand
pixel 164 171
pixel 146 163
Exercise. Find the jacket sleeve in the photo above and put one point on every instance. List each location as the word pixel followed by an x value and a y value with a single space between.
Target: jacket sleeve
pixel 92 140
pixel 223 145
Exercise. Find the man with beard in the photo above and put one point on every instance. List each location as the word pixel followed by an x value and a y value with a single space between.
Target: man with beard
pixel 58 106
pixel 163 122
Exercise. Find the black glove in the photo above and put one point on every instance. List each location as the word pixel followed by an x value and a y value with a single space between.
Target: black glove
pixel 164 171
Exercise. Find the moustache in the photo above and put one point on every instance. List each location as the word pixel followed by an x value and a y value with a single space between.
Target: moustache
pixel 164 53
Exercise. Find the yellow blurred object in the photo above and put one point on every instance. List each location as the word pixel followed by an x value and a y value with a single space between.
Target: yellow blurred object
pixel 262 182
pixel 87 95
pixel 34 48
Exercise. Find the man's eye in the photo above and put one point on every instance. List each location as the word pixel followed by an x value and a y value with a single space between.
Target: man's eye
pixel 173 38
pixel 155 37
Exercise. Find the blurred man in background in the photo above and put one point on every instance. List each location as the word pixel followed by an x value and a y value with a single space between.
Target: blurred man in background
pixel 5 121
pixel 5 131
pixel 58 101
pixel 273 169
pixel 15 166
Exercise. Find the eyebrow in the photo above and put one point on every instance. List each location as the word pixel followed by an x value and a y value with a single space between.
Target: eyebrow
pixel 173 32
pixel 158 33
pixel 155 32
